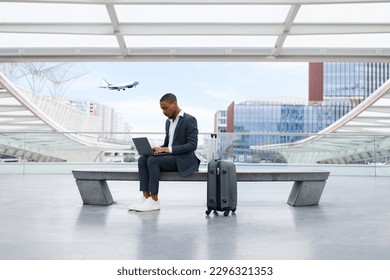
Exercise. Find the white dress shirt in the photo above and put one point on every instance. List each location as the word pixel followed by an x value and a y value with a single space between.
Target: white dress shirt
pixel 172 128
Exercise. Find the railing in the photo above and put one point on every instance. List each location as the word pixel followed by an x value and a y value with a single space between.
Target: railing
pixel 70 118
pixel 342 154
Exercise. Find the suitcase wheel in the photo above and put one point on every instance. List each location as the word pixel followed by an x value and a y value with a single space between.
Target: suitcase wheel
pixel 226 213
pixel 208 211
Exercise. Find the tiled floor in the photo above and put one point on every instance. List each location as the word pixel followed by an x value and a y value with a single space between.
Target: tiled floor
pixel 42 217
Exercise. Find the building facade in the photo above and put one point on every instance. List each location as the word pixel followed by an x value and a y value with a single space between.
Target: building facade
pixel 112 126
pixel 334 90
pixel 346 81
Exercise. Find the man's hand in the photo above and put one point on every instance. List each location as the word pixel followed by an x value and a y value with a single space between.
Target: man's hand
pixel 159 150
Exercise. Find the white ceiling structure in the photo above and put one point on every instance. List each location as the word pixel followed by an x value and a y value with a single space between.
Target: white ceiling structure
pixel 189 30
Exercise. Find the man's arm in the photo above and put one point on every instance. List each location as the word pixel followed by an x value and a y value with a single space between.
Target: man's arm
pixel 164 147
pixel 187 138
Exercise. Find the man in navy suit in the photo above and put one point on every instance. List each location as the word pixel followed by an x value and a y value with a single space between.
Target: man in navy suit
pixel 175 155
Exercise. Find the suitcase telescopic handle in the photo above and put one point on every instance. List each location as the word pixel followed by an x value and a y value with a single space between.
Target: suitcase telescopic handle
pixel 224 171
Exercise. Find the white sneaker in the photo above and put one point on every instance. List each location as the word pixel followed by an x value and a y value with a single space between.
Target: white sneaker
pixel 148 205
pixel 135 205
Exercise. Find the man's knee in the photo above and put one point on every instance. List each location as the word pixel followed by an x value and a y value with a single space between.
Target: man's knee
pixel 142 161
pixel 150 161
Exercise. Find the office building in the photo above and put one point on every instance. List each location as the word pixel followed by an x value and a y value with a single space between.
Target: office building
pixel 334 90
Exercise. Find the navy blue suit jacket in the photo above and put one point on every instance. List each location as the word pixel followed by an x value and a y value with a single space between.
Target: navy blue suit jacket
pixel 185 142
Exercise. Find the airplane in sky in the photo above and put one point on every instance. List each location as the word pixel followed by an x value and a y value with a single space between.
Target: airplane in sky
pixel 119 86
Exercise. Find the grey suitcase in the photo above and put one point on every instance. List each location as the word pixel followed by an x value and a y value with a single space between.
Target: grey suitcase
pixel 221 186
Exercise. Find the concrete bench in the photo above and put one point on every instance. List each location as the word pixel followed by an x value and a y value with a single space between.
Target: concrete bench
pixel 306 191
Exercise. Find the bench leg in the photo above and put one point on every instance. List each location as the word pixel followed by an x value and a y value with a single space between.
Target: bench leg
pixel 94 192
pixel 306 193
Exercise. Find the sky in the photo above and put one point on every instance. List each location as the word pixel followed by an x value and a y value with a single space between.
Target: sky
pixel 202 88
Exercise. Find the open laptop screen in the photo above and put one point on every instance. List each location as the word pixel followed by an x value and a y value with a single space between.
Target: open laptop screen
pixel 143 146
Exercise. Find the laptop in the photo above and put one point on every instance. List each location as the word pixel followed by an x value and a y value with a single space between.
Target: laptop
pixel 143 147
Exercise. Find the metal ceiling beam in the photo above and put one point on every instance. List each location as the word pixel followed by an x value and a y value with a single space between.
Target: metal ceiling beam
pixel 117 29
pixel 193 54
pixel 195 29
pixel 338 28
pixel 202 2
pixel 292 13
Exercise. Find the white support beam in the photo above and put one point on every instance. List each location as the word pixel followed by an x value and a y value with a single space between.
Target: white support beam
pixel 292 13
pixel 338 28
pixel 117 30
pixel 196 29
pixel 202 2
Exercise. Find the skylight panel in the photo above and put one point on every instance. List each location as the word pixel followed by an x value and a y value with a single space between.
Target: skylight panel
pixel 63 41
pixel 202 13
pixel 343 13
pixel 37 12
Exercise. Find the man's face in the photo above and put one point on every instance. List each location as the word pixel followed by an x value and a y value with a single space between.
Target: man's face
pixel 168 108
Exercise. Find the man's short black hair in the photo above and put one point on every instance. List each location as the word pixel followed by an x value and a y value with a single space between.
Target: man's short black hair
pixel 169 97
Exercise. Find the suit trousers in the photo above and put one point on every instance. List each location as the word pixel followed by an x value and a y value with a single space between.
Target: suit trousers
pixel 149 169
